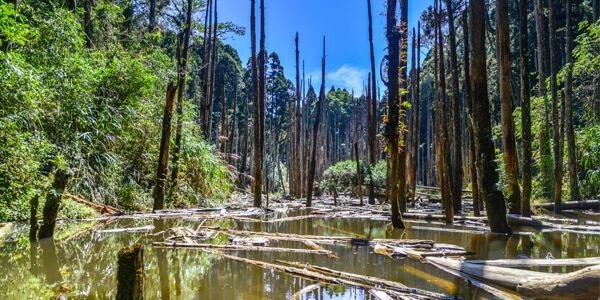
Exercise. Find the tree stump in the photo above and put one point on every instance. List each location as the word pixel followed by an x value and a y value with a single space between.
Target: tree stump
pixel 130 273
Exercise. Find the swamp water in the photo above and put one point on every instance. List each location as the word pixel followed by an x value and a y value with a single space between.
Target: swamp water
pixel 81 262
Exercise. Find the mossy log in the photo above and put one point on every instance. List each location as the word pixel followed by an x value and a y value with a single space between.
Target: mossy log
pixel 61 178
pixel 581 285
pixel 130 273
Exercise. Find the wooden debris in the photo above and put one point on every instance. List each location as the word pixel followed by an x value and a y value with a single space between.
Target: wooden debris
pixel 239 248
pixel 381 295
pixel 132 229
pixel 306 290
pixel 528 263
pixel 101 208
pixel 582 284
pixel 589 204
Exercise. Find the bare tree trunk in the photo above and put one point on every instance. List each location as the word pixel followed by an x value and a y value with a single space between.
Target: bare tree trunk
pixel 486 156
pixel 152 17
pixel 53 197
pixel 545 155
pixel 320 102
pixel 456 122
pixel 446 172
pixel 223 136
pixel 525 110
pixel 416 114
pixel 511 160
pixel 571 162
pixel 298 177
pixel 557 145
pixel 89 28
pixel 471 115
pixel 245 142
pixel 394 35
pixel 356 153
pixel 596 10
pixel 206 71
pixel 181 75
pixel 259 105
pixel 372 103
pixel 234 123
pixel 163 157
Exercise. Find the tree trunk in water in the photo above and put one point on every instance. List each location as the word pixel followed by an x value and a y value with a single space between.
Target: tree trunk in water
pixel 511 161
pixel 557 195
pixel 163 157
pixel 545 156
pixel 61 178
pixel 298 175
pixel 182 73
pixel 33 222
pixel 471 115
pixel 130 273
pixel 486 156
pixel 525 110
pixel 456 122
pixel 316 126
pixel 393 121
pixel 446 172
pixel 372 118
pixel 416 114
pixel 257 150
pixel 571 148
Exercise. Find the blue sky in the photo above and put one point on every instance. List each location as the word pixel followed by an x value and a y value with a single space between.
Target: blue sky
pixel 343 22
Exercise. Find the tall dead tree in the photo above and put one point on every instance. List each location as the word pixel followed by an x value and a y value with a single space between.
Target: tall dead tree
pixel 511 161
pixel 257 169
pixel 298 117
pixel 446 172
pixel 223 136
pixel 316 126
pixel 372 108
pixel 571 148
pixel 457 172
pixel 394 35
pixel 410 157
pixel 231 150
pixel 259 104
pixel 487 165
pixel 163 156
pixel 557 144
pixel 357 120
pixel 469 101
pixel 525 109
pixel 416 113
pixel 182 57
pixel 242 178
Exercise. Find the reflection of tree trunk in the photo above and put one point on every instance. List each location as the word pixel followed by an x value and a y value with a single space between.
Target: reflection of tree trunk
pixel 163 263
pixel 526 245
pixel 34 266
pixel 130 273
pixel 33 222
pixel 50 264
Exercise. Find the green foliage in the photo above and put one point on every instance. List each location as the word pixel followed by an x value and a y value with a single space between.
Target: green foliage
pixel 342 176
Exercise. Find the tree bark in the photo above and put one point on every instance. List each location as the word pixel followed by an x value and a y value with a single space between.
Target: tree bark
pixel 394 35
pixel 88 25
pixel 61 178
pixel 233 124
pixel 297 132
pixel 130 273
pixel 223 135
pixel 571 148
pixel 181 75
pixel 456 121
pixel 557 145
pixel 511 161
pixel 257 169
pixel 372 104
pixel 416 114
pixel 525 109
pixel 486 157
pixel 471 117
pixel 316 126
pixel 242 178
pixel 163 157
pixel 152 16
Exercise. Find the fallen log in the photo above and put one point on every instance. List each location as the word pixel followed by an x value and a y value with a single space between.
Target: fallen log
pixel 433 188
pixel 307 289
pixel 588 204
pixel 582 284
pixel 528 263
pixel 381 295
pixel 132 229
pixel 101 208
pixel 408 293
pixel 239 248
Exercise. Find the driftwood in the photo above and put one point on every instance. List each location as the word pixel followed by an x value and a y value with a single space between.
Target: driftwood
pixel 101 208
pixel 589 204
pixel 582 284
pixel 408 293
pixel 528 263
pixel 132 229
pixel 239 248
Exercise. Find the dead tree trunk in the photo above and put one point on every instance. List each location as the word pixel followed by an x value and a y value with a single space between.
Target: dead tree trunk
pixel 525 110
pixel 233 124
pixel 558 141
pixel 486 157
pixel 163 157
pixel 130 273
pixel 416 114
pixel 223 135
pixel 511 161
pixel 571 162
pixel 372 110
pixel 61 178
pixel 245 142
pixel 311 171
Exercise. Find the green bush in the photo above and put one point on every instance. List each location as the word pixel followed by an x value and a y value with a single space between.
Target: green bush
pixel 342 176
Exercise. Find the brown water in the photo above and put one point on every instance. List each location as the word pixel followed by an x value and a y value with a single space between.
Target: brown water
pixel 84 266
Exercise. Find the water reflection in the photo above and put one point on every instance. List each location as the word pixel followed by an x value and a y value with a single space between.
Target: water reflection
pixel 87 262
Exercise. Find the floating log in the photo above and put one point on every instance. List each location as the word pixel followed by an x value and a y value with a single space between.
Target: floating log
pixel 582 284
pixel 132 229
pixel 130 273
pixel 381 295
pixel 409 293
pixel 239 248
pixel 588 204
pixel 528 263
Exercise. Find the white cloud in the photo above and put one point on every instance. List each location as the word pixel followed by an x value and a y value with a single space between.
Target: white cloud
pixel 348 77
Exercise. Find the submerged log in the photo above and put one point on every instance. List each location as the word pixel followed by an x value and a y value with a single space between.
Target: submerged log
pixel 582 284
pixel 130 273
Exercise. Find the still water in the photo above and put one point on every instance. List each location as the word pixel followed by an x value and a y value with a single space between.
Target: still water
pixel 81 262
